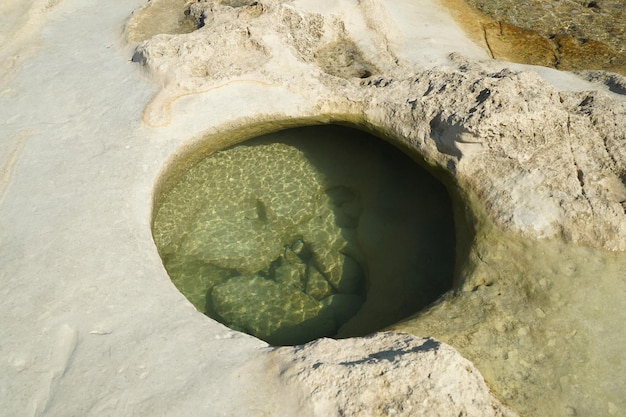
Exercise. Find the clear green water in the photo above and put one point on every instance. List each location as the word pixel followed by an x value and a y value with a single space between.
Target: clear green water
pixel 312 232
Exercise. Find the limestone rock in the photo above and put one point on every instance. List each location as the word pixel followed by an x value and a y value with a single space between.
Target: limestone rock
pixel 91 324
pixel 573 35
pixel 388 374
pixel 521 146
pixel 538 174
pixel 506 136
pixel 202 56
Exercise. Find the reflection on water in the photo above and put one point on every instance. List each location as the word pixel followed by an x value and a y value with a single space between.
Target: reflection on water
pixel 306 233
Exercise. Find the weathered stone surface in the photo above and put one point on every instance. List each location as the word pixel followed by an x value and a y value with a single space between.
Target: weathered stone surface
pixel 388 374
pixel 598 20
pixel 506 136
pixel 527 311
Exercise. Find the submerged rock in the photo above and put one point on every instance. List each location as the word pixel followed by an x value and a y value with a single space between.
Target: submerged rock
pixel 386 261
pixel 317 286
pixel 291 271
pixel 196 277
pixel 568 35
pixel 276 313
pixel 240 218
pixel 342 306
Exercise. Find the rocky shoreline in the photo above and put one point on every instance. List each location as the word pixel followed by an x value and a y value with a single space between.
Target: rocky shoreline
pixel 100 115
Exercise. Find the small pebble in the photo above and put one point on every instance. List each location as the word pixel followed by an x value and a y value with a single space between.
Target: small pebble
pixel 613 409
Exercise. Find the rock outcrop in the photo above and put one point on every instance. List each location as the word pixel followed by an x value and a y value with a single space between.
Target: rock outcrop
pixel 387 374
pixel 535 171
pixel 538 175
pixel 542 162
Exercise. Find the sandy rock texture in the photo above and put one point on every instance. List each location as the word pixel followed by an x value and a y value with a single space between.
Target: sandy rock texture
pixel 387 374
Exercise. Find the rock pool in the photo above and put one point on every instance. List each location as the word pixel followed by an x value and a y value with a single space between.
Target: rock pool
pixel 310 232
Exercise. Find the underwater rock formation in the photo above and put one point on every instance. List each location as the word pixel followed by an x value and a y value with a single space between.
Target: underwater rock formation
pixel 568 35
pixel 321 230
pixel 243 212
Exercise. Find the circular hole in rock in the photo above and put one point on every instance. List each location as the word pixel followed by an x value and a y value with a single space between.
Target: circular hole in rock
pixel 320 231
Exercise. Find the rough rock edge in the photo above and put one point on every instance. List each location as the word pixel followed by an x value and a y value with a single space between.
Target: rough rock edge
pixel 388 374
pixel 542 163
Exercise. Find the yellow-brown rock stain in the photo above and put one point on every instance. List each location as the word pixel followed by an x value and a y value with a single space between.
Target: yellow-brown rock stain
pixel 509 42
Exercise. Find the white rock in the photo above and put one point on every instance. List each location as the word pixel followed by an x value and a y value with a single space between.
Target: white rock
pixel 538 158
pixel 387 374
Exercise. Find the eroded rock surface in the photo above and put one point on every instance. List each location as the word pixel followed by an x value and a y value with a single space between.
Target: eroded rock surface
pixel 389 374
pixel 568 35
pixel 542 161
